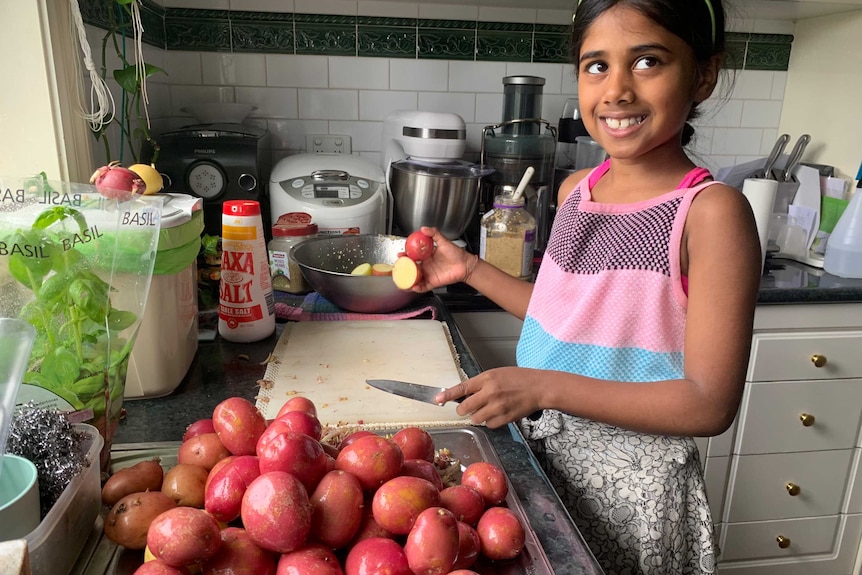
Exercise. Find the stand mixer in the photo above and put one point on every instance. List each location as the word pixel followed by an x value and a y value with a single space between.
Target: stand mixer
pixel 428 183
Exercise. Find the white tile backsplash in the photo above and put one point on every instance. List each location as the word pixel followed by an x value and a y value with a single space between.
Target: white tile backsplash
pixel 182 96
pixel 489 108
pixel 365 135
pixel 290 134
pixel 476 76
pixel 419 75
pixel 552 73
pixel 752 85
pixel 270 102
pixel 359 73
pixel 222 69
pixel 557 17
pixel 448 11
pixel 328 104
pixel 736 141
pixel 463 104
pixel 202 4
pixel 184 68
pixel 342 7
pixel 386 9
pixel 284 6
pixel 375 105
pixel 760 113
pixel 507 14
pixel 297 71
pixel 779 83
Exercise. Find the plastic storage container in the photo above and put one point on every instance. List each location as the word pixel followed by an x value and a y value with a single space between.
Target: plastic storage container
pixel 167 339
pixel 843 256
pixel 507 237
pixel 57 542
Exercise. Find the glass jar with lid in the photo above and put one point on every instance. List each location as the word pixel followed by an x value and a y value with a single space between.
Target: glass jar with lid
pixel 289 230
pixel 508 236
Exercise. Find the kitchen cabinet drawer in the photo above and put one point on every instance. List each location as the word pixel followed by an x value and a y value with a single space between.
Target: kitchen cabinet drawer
pixel 771 419
pixel 788 356
pixel 759 487
pixel 749 541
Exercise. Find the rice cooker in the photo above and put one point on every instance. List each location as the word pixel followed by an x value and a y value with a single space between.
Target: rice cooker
pixel 344 194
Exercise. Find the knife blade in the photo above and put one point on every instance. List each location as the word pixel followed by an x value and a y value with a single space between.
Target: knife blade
pixel 409 390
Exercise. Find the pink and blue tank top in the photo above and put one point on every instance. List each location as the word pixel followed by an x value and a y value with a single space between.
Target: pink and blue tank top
pixel 609 300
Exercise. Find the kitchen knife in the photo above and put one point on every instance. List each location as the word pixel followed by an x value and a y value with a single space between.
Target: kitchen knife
pixel 795 156
pixel 415 391
pixel 777 150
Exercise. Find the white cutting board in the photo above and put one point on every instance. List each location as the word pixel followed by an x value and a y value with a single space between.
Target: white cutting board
pixel 329 361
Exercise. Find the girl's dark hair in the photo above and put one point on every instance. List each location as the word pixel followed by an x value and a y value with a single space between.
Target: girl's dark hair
pixel 687 19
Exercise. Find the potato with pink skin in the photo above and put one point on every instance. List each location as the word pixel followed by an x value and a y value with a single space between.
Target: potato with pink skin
pixel 489 480
pixel 465 502
pixel 424 469
pixel 469 546
pixel 276 512
pixel 313 559
pixel 337 509
pixel 377 555
pixel 432 544
pixel 297 403
pixel 238 424
pixel 159 567
pixel 415 443
pixel 295 453
pixel 501 534
pixel 184 483
pixel 373 459
pixel 205 450
pixel 227 485
pixel 184 536
pixel 239 555
pixel 398 502
pixel 199 427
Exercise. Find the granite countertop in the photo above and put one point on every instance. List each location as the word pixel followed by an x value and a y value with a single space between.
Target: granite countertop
pixel 222 369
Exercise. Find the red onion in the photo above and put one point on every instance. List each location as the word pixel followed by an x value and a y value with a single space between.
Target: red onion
pixel 116 182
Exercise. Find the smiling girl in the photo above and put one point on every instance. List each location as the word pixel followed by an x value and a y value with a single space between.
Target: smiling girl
pixel 637 330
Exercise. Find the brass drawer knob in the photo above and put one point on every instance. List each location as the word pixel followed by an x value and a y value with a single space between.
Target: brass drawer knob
pixel 793 489
pixel 807 419
pixel 783 542
pixel 818 360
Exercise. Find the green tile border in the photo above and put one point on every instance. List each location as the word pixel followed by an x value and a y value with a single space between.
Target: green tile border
pixel 286 33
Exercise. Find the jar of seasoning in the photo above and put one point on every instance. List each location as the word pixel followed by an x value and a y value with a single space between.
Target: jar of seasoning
pixel 508 236
pixel 289 230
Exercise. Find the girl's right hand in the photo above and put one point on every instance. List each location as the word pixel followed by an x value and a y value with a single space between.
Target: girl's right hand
pixel 447 265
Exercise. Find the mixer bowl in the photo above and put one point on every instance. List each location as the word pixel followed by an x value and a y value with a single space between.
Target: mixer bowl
pixel 326 262
pixel 442 195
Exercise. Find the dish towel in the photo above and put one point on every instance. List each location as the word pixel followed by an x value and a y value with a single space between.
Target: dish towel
pixel 314 307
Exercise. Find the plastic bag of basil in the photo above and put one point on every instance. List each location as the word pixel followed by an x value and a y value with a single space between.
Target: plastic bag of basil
pixel 77 265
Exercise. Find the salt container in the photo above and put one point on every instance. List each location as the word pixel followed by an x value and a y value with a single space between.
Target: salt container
pixel 246 305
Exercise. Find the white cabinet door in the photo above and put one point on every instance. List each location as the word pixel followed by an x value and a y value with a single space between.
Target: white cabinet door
pixel 789 356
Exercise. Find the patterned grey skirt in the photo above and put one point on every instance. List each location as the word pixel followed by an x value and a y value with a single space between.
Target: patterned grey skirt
pixel 639 500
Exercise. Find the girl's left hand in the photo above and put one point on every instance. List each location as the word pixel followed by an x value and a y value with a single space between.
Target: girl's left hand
pixel 497 396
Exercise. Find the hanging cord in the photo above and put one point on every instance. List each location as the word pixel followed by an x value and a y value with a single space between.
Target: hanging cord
pixel 101 100
pixel 140 67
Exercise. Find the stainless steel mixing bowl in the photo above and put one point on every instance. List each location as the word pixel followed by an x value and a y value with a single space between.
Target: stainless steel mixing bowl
pixel 326 262
pixel 442 195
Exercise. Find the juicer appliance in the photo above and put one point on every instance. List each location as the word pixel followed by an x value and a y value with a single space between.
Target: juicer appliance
pixel 521 140
pixel 428 182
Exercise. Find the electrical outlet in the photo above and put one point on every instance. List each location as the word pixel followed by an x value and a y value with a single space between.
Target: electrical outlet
pixel 327 144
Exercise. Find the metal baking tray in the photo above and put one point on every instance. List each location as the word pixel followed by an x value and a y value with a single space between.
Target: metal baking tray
pixel 467 445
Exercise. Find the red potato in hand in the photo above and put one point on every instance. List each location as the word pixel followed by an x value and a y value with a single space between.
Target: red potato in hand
pixel 377 555
pixel 373 459
pixel 418 246
pixel 501 534
pixel 297 403
pixel 398 502
pixel 432 544
pixel 239 555
pixel 337 509
pixel 205 450
pixel 276 512
pixel 465 502
pixel 489 480
pixel 225 490
pixel 406 273
pixel 184 536
pixel 199 427
pixel 313 559
pixel 415 443
pixel 239 425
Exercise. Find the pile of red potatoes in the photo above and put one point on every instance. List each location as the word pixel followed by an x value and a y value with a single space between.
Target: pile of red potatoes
pixel 250 496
